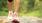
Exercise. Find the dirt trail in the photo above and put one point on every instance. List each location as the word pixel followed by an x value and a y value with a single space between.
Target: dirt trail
pixel 24 19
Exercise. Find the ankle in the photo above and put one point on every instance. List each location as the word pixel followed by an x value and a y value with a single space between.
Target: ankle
pixel 15 14
pixel 10 13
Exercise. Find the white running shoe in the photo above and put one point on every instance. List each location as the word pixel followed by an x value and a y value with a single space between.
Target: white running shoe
pixel 10 17
pixel 16 16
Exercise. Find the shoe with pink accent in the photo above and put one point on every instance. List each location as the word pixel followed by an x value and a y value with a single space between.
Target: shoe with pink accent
pixel 16 19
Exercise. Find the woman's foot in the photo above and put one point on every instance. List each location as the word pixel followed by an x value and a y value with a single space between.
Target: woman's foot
pixel 16 19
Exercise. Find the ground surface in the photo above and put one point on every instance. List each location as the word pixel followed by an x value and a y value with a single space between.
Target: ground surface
pixel 24 19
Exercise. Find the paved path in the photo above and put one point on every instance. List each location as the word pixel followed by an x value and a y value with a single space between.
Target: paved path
pixel 25 19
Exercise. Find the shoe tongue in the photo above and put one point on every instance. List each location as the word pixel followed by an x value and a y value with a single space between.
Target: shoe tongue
pixel 15 14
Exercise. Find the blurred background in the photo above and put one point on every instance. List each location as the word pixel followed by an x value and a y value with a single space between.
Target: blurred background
pixel 27 8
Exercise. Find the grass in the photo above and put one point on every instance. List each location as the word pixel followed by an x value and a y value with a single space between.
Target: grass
pixel 3 13
pixel 33 13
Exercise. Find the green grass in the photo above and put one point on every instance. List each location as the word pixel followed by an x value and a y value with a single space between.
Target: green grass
pixel 3 13
pixel 33 13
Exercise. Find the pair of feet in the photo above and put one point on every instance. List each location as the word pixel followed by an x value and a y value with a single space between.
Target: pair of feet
pixel 13 17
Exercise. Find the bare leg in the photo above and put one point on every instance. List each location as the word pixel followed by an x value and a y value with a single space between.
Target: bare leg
pixel 10 10
pixel 10 6
pixel 16 5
